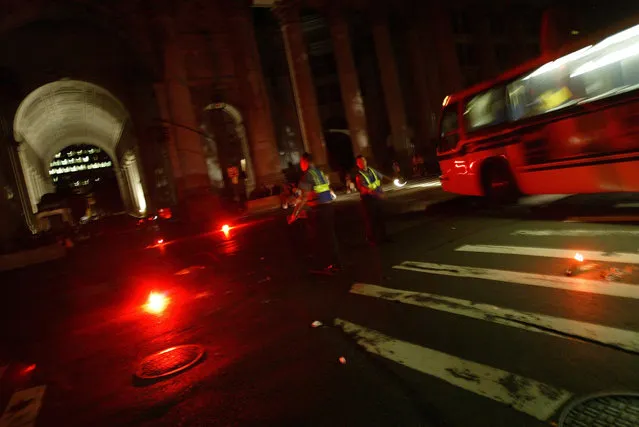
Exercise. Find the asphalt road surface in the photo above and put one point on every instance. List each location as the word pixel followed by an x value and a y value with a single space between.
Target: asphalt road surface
pixel 466 319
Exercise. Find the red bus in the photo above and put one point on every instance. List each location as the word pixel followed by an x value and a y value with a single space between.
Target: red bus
pixel 563 126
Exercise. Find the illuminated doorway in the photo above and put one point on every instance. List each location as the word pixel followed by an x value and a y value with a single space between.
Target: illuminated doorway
pixel 86 171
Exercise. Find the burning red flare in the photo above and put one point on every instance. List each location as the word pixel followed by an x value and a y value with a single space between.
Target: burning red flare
pixel 579 257
pixel 160 241
pixel 156 303
pixel 226 229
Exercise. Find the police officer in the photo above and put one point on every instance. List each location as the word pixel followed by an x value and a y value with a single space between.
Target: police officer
pixel 317 194
pixel 369 184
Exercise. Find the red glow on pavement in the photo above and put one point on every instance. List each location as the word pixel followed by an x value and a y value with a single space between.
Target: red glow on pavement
pixel 156 303
pixel 165 213
pixel 29 369
pixel 579 257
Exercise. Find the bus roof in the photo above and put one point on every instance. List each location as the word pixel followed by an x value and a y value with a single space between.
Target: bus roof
pixel 540 60
pixel 506 76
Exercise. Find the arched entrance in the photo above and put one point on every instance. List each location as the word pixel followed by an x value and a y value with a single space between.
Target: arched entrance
pixel 227 145
pixel 69 113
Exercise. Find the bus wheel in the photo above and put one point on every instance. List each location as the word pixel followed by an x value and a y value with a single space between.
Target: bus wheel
pixel 499 184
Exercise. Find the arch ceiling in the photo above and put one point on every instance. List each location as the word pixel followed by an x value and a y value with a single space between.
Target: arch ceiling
pixel 67 112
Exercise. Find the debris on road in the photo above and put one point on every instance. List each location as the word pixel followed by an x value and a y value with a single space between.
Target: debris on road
pixel 189 270
pixel 612 274
pixel 316 324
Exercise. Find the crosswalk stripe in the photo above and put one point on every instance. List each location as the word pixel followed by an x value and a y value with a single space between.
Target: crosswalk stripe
pixel 575 233
pixel 556 326
pixel 576 284
pixel 621 257
pixel 23 408
pixel 523 394
pixel 605 218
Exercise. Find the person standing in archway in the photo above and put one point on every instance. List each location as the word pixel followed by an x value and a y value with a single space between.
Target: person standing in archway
pixel 317 194
pixel 237 181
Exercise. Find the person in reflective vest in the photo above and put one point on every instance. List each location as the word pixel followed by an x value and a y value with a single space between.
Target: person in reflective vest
pixel 369 184
pixel 317 194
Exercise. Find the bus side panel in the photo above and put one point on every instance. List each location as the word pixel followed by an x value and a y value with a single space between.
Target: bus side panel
pixel 573 180
pixel 463 174
pixel 623 128
pixel 570 156
pixel 459 176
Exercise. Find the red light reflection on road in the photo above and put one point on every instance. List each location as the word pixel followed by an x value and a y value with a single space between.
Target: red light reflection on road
pixel 29 369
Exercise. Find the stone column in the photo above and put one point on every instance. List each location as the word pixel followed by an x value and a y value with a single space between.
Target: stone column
pixel 349 81
pixel 168 130
pixel 424 72
pixel 390 82
pixel 288 11
pixel 488 58
pixel 193 187
pixel 446 52
pixel 194 176
pixel 260 129
pixel 554 29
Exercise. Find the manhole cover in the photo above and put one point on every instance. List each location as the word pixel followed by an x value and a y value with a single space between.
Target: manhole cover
pixel 603 410
pixel 170 361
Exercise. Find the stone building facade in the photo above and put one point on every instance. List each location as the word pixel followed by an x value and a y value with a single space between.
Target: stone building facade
pixel 178 91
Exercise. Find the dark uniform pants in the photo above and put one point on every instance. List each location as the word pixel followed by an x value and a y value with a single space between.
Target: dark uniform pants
pixel 373 219
pixel 322 239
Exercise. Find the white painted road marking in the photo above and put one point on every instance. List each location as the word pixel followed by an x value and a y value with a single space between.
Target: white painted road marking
pixel 576 233
pixel 624 218
pixel 627 205
pixel 523 394
pixel 621 257
pixel 23 408
pixel 541 199
pixel 621 338
pixel 601 287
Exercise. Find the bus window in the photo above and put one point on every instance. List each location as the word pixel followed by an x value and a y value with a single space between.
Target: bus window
pixel 532 96
pixel 610 66
pixel 486 109
pixel 449 129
